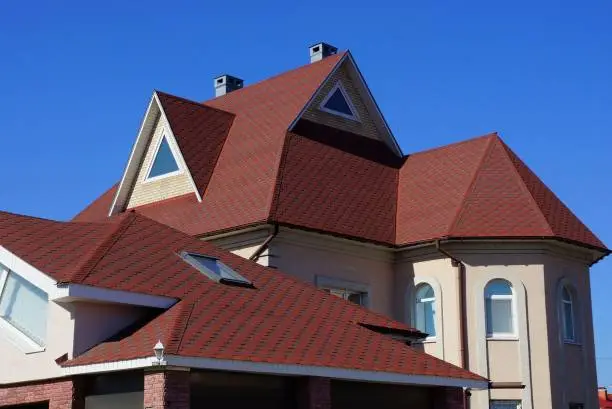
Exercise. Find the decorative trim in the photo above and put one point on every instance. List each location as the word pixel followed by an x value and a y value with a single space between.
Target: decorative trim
pixel 340 87
pixel 280 369
pixel 439 322
pixel 75 292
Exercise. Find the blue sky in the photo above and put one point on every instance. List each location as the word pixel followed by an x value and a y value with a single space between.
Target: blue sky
pixel 75 80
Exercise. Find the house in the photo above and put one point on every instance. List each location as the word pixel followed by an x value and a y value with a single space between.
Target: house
pixel 605 401
pixel 301 173
pixel 130 313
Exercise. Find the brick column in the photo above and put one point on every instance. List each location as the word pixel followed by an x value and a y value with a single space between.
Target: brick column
pixel 449 398
pixel 66 393
pixel 314 393
pixel 166 389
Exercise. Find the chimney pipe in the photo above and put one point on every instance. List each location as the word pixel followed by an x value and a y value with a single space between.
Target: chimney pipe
pixel 321 50
pixel 227 83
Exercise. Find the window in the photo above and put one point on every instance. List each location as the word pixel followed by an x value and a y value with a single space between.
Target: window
pixel 164 163
pixel 425 310
pixel 215 269
pixel 338 102
pixel 576 406
pixel 499 305
pixel 23 306
pixel 505 404
pixel 357 297
pixel 567 312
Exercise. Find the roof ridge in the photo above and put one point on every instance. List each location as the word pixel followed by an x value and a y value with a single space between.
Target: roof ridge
pixel 192 102
pixel 91 260
pixel 279 177
pixel 464 141
pixel 180 325
pixel 340 55
pixel 526 188
pixel 470 188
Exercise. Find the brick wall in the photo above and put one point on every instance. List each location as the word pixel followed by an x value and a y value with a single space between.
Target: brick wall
pixel 61 394
pixel 166 390
pixel 165 188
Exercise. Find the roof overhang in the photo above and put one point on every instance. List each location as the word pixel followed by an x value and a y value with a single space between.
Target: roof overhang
pixel 68 292
pixel 277 369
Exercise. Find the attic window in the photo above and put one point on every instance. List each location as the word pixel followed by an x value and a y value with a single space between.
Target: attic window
pixel 164 163
pixel 215 269
pixel 337 102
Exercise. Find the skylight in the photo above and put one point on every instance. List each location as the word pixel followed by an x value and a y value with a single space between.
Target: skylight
pixel 164 163
pixel 215 269
pixel 337 102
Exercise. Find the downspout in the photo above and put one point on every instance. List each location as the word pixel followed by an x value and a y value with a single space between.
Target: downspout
pixel 463 340
pixel 255 256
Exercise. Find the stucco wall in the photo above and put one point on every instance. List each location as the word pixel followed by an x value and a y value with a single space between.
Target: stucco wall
pixel 18 366
pixel 245 243
pixel 144 192
pixel 311 257
pixel 94 322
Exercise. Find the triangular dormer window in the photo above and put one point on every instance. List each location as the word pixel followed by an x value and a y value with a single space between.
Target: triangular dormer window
pixel 337 102
pixel 165 163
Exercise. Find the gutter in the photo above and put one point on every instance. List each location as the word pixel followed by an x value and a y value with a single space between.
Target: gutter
pixel 462 307
pixel 264 246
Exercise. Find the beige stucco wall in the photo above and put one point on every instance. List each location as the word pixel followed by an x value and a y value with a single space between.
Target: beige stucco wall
pixel 144 192
pixel 554 373
pixel 71 329
pixel 18 366
pixel 245 243
pixel 365 126
pixel 573 371
pixel 94 322
pixel 313 258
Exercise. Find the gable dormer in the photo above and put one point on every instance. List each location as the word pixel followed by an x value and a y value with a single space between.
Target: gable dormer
pixel 162 173
pixel 345 103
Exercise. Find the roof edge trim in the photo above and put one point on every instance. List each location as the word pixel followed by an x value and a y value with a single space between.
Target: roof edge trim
pixel 78 292
pixel 278 369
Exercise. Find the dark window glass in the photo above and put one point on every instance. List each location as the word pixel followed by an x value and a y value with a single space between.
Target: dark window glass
pixel 337 103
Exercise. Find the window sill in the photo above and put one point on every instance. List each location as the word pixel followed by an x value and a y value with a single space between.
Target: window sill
pixel 502 338
pixel 570 342
pixel 429 340
pixel 19 339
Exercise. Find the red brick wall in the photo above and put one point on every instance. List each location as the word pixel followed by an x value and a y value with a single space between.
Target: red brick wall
pixel 166 390
pixel 60 393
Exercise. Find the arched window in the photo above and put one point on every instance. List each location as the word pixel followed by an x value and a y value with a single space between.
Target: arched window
pixel 425 310
pixel 567 310
pixel 499 305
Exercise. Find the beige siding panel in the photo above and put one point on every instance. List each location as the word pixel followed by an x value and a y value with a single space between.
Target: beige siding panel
pixel 165 188
pixel 365 127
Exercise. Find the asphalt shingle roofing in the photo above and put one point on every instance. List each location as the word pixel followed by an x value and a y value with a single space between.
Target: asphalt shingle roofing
pixel 281 320
pixel 250 169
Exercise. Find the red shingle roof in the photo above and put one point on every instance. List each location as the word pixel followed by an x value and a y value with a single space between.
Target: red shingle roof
pixel 282 320
pixel 320 178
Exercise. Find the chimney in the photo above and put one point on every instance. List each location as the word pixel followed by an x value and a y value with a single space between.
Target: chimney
pixel 321 50
pixel 227 83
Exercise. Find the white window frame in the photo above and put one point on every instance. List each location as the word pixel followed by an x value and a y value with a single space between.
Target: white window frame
pixel 517 403
pixel 574 338
pixel 12 333
pixel 180 170
pixel 329 283
pixel 432 300
pixel 512 297
pixel 339 86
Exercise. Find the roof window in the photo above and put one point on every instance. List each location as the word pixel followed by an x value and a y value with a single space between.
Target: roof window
pixel 337 102
pixel 215 269
pixel 164 163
